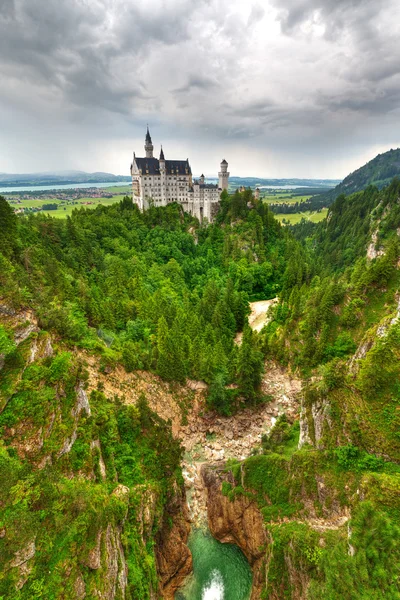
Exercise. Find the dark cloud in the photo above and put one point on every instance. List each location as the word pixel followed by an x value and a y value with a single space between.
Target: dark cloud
pixel 373 102
pixel 196 82
pixel 86 50
pixel 7 10
pixel 335 15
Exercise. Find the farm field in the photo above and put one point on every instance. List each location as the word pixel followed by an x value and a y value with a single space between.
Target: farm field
pixel 126 190
pixel 292 219
pixel 284 198
pixel 65 208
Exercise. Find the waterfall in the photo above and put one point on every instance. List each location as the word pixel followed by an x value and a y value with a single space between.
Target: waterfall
pixel 215 590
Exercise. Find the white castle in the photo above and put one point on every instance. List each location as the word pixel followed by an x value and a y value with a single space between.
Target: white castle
pixel 160 182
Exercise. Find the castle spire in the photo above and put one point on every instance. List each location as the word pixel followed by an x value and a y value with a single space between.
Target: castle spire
pixel 148 146
pixel 162 154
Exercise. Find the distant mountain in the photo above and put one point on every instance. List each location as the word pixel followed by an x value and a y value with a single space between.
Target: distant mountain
pixel 60 178
pixel 379 172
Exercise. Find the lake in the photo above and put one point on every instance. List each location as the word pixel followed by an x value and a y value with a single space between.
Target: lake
pixel 69 186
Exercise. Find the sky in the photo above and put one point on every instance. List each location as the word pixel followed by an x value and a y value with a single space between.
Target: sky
pixel 279 88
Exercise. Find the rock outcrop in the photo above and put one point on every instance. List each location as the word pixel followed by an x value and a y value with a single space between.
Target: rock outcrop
pixel 236 521
pixel 106 556
pixel 174 559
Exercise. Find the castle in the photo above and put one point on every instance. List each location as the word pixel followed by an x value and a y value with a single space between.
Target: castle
pixel 159 182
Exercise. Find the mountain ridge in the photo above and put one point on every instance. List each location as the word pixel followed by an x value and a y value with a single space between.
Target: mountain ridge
pixel 379 171
pixel 60 177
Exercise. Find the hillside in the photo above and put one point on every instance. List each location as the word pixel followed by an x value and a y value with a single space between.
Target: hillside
pixel 378 172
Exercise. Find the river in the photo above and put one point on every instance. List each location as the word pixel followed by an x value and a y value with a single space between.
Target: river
pixel 220 571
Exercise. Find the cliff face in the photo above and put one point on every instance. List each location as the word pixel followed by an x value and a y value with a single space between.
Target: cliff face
pixel 236 521
pixel 174 560
pixel 87 484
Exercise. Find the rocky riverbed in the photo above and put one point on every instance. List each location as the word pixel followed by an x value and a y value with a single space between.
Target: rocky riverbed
pixel 209 438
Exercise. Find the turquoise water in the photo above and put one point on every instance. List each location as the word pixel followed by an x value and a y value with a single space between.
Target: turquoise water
pixel 220 571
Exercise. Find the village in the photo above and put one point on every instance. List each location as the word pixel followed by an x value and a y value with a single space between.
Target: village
pixel 62 201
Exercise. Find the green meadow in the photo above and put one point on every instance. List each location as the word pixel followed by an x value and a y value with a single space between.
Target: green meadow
pixel 65 207
pixel 283 197
pixel 292 219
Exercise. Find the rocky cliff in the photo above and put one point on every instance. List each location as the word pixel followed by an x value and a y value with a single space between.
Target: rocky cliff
pixel 174 560
pixel 88 485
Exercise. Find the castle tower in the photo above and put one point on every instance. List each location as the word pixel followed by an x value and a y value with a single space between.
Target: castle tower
pixel 148 145
pixel 223 176
pixel 201 178
pixel 257 194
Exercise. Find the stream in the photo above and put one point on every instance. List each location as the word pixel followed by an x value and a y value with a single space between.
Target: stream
pixel 220 571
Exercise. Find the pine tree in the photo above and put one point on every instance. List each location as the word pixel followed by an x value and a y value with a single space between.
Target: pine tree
pixel 218 396
pixel 163 360
pixel 8 227
pixel 250 365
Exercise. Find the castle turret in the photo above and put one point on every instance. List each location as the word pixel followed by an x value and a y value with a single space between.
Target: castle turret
pixel 223 176
pixel 148 145
pixel 201 178
pixel 162 159
pixel 257 194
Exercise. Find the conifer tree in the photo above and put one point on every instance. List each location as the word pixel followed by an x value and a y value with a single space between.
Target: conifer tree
pixel 218 395
pixel 250 365
pixel 8 227
pixel 163 360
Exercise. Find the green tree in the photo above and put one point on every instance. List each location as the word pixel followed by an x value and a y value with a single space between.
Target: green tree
pixel 8 227
pixel 250 365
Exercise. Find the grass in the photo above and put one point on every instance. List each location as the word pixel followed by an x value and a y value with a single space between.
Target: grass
pixel 66 207
pixel 284 198
pixel 293 218
pixel 119 189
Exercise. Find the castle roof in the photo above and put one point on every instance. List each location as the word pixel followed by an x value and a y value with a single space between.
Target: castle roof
pixel 207 186
pixel 151 166
pixel 223 162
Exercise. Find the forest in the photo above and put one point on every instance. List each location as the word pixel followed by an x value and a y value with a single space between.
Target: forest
pixel 155 291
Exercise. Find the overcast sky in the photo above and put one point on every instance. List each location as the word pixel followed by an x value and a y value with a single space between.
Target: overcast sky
pixel 280 88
